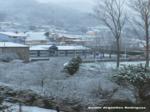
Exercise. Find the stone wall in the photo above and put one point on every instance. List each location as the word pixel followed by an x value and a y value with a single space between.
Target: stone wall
pixel 22 52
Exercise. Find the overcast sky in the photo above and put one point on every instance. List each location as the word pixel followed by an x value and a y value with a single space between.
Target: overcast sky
pixel 83 5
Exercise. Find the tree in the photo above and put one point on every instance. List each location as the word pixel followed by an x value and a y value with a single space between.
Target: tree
pixel 47 34
pixel 142 9
pixel 43 76
pixel 73 66
pixel 111 14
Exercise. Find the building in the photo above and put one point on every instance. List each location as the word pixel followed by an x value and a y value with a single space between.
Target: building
pixel 61 51
pixel 67 39
pixel 21 50
pixel 36 38
pixel 12 37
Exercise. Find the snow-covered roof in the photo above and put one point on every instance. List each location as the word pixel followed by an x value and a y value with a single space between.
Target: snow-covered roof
pixel 79 40
pixel 40 47
pixel 46 47
pixel 69 36
pixel 14 34
pixel 36 36
pixel 11 44
pixel 72 48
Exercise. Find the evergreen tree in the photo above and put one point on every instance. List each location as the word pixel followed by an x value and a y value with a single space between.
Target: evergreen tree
pixel 73 65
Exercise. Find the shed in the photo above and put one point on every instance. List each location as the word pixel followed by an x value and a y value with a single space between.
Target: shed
pixel 21 50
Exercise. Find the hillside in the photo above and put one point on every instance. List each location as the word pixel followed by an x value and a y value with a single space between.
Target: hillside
pixel 31 12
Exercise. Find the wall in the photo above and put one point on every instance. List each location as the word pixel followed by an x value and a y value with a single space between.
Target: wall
pixel 36 42
pixel 59 53
pixel 22 52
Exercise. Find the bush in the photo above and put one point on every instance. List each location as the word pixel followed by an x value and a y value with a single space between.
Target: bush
pixel 136 75
pixel 73 66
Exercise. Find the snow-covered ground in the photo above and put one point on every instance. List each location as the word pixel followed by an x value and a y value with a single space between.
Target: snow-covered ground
pixel 32 109
pixel 56 84
pixel 15 108
pixel 108 65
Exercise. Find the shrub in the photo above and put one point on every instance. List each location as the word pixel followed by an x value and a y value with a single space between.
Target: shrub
pixel 78 59
pixel 136 75
pixel 73 66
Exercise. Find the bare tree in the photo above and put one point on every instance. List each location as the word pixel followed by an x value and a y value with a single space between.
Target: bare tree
pixel 111 14
pixel 43 76
pixel 142 9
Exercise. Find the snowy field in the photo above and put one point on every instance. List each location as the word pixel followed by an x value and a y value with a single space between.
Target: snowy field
pixel 108 65
pixel 47 78
pixel 32 109
pixel 15 108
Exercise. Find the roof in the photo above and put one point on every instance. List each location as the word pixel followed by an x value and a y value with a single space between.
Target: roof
pixel 46 47
pixel 36 36
pixel 40 47
pixel 72 48
pixel 13 34
pixel 70 36
pixel 11 44
pixel 79 40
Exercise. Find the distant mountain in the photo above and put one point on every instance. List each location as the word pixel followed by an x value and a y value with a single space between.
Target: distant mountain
pixel 31 12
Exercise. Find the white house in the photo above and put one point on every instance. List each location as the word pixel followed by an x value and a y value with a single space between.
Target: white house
pixel 36 38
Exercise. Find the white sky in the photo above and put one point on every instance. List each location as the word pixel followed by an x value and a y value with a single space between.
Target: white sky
pixel 83 5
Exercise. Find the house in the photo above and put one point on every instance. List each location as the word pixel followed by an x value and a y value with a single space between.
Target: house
pixel 19 49
pixel 60 51
pixel 80 42
pixel 36 38
pixel 67 38
pixel 12 37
